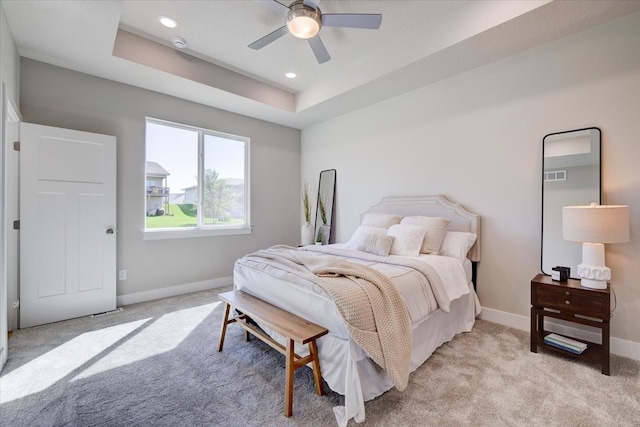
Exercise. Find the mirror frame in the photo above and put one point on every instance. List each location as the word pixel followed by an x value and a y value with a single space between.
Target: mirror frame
pixel 326 195
pixel 585 202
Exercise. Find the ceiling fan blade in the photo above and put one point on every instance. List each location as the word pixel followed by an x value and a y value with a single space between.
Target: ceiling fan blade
pixel 319 50
pixel 311 3
pixel 274 5
pixel 369 21
pixel 269 38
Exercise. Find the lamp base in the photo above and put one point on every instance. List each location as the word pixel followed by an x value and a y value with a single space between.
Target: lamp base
pixel 594 276
pixel 592 271
pixel 593 284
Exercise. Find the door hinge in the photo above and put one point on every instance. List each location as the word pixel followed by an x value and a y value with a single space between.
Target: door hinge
pixel 16 145
pixel 16 304
pixel 16 225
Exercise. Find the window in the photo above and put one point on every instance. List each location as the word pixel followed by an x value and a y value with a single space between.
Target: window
pixel 196 181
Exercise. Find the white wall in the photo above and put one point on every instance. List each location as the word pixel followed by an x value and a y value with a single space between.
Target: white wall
pixel 477 138
pixel 55 96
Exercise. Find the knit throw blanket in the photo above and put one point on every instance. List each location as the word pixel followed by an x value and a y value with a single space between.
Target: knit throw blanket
pixel 372 308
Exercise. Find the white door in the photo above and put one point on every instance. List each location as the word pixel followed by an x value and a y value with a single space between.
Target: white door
pixel 67 224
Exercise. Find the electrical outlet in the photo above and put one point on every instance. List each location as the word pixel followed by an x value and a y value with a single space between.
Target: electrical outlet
pixel 122 275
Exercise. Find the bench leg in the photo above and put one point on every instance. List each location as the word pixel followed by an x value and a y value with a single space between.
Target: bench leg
pixel 223 328
pixel 317 376
pixel 288 379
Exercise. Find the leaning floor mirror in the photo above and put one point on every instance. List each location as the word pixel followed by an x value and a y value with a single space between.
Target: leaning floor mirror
pixel 571 176
pixel 324 209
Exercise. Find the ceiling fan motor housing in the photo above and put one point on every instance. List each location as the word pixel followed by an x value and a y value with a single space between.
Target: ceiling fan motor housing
pixel 303 21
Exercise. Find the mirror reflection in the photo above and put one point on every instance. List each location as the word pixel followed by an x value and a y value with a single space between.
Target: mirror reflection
pixel 571 176
pixel 324 208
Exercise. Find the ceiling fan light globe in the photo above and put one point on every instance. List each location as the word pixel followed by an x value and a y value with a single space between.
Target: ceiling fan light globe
pixel 303 27
pixel 303 22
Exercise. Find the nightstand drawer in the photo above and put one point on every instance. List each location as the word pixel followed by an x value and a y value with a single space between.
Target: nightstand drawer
pixel 587 305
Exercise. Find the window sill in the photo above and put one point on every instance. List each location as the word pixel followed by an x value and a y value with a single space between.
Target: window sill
pixel 178 233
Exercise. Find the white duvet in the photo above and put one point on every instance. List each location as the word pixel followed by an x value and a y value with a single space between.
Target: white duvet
pixel 408 276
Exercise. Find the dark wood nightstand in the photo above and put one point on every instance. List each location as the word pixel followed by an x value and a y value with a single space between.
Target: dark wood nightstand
pixel 571 302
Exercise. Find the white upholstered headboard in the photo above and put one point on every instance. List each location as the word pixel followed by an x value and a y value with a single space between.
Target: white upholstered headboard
pixel 461 218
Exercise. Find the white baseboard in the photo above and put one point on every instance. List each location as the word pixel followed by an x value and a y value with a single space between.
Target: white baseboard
pixel 619 346
pixel 172 291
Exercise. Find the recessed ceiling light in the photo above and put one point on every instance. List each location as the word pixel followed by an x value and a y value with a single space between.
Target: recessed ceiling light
pixel 291 75
pixel 167 22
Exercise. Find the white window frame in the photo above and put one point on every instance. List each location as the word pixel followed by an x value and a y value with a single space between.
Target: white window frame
pixel 200 230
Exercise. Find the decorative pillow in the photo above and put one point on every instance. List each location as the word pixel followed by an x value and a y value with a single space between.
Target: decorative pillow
pixel 408 239
pixel 457 244
pixel 380 220
pixel 355 240
pixel 373 243
pixel 436 227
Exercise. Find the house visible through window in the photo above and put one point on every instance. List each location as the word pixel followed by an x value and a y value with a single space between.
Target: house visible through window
pixel 195 178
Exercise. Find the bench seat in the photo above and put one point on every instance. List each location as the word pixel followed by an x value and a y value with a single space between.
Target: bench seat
pixel 292 327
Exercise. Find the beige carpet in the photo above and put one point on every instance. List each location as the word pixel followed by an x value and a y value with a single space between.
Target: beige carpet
pixel 156 364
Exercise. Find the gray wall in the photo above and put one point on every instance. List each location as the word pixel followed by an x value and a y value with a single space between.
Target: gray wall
pixel 477 138
pixel 59 97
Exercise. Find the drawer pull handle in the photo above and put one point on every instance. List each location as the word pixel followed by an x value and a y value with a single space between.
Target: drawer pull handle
pixel 567 293
pixel 567 302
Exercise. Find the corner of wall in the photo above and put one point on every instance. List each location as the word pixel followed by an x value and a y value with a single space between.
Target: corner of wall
pixel 9 60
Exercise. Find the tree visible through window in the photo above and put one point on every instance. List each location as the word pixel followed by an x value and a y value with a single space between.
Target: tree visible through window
pixel 195 178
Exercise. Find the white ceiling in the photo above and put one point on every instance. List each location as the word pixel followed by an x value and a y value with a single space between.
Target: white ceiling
pixel 418 43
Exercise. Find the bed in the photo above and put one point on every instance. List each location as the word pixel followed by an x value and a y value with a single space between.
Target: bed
pixel 435 278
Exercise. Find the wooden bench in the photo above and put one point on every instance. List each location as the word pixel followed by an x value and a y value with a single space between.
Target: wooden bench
pixel 292 327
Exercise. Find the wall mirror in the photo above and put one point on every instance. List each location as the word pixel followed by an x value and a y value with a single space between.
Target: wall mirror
pixel 571 175
pixel 324 208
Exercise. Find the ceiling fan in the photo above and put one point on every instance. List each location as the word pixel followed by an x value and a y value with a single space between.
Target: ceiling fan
pixel 304 20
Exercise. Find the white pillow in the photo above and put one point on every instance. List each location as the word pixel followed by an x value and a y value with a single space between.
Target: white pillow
pixel 355 240
pixel 457 244
pixel 373 244
pixel 408 239
pixel 436 227
pixel 380 220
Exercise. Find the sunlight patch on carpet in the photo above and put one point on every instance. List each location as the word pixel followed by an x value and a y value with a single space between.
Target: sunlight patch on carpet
pixel 43 372
pixel 161 336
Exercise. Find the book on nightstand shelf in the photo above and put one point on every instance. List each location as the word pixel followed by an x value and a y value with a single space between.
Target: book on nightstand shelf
pixel 565 343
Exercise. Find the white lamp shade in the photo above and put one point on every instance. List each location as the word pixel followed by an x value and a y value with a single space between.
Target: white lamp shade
pixel 595 223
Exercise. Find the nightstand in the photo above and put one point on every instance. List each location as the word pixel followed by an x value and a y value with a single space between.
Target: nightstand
pixel 571 302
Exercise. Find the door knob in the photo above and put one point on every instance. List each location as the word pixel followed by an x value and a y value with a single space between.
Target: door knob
pixel 109 230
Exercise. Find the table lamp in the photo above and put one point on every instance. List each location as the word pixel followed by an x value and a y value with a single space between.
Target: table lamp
pixel 593 226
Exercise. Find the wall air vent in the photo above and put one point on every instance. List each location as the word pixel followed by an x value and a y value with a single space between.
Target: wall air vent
pixel 555 176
